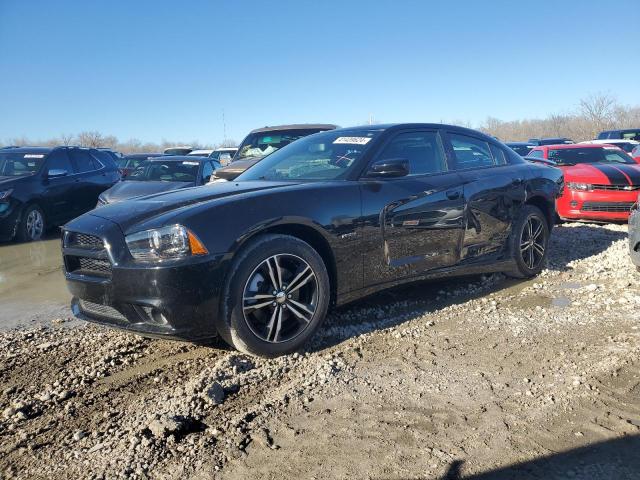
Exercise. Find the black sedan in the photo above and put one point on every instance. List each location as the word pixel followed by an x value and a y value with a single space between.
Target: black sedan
pixel 44 187
pixel 161 174
pixel 323 221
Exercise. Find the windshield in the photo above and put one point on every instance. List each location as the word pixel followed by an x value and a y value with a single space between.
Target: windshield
pixel 627 147
pixel 158 171
pixel 631 135
pixel 325 156
pixel 265 143
pixel 571 156
pixel 18 164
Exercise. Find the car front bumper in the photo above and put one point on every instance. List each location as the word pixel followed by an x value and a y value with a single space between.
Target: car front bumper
pixel 9 220
pixel 596 205
pixel 180 300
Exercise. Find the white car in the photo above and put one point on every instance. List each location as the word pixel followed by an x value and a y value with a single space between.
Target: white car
pixel 223 155
pixel 626 145
pixel 201 153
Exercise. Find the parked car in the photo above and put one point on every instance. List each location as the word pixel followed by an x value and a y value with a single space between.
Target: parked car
pixel 521 148
pixel 132 161
pixel 201 153
pixel 625 134
pixel 323 221
pixel 177 150
pixel 45 187
pixel 601 181
pixel 550 141
pixel 224 155
pixel 161 174
pixel 264 141
pixel 626 145
pixel 635 154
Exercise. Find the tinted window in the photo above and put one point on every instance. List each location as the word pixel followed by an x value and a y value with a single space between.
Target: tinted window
pixel 422 150
pixel 570 156
pixel 498 154
pixel 84 161
pixel 59 160
pixel 536 154
pixel 470 152
pixel 103 159
pixel 165 171
pixel 633 135
pixel 522 150
pixel 16 164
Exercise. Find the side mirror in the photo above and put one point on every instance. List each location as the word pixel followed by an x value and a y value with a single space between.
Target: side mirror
pixel 57 172
pixel 544 161
pixel 391 167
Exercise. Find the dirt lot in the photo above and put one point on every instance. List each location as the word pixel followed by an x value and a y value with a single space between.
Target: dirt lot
pixel 483 378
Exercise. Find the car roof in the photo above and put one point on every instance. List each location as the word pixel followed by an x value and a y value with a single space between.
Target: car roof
pixel 144 155
pixel 225 149
pixel 429 126
pixel 43 150
pixel 178 158
pixel 610 141
pixel 568 146
pixel 517 144
pixel 296 126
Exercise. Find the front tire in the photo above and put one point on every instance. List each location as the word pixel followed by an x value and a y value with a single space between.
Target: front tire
pixel 277 297
pixel 528 243
pixel 32 226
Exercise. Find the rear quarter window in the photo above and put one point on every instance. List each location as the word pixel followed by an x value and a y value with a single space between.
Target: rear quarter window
pixel 470 152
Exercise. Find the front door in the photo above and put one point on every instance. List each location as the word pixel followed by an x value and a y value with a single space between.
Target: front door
pixel 413 224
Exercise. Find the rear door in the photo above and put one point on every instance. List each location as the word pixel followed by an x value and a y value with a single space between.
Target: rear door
pixel 415 223
pixel 57 194
pixel 91 179
pixel 493 190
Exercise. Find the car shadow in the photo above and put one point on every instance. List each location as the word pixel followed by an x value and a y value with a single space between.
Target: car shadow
pixel 390 308
pixel 613 459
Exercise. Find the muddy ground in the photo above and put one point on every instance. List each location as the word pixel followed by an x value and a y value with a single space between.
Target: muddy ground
pixel 482 377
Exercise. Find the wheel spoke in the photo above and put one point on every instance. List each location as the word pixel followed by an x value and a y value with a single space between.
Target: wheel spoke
pixel 276 325
pixel 302 307
pixel 293 282
pixel 531 258
pixel 279 271
pixel 538 231
pixel 302 283
pixel 259 297
pixel 538 248
pixel 271 275
pixel 258 305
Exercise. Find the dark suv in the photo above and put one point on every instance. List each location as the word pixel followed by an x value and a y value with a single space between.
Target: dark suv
pixel 44 187
pixel 627 134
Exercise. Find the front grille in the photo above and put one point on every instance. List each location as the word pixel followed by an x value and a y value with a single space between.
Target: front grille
pixel 102 311
pixel 83 240
pixel 624 188
pixel 606 206
pixel 95 267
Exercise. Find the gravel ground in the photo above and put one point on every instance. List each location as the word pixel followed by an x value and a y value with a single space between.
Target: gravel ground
pixel 482 377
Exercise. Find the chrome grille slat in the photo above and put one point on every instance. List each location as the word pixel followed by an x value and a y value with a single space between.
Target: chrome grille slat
pixel 624 188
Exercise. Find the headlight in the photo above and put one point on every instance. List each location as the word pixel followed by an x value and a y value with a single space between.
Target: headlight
pixel 4 194
pixel 166 243
pixel 101 202
pixel 584 187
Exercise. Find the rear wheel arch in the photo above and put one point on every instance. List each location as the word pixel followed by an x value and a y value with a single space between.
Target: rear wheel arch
pixel 545 207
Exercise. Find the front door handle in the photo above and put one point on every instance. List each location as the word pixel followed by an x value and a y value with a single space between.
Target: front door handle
pixel 453 194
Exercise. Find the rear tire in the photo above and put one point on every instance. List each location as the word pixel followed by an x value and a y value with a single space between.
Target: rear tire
pixel 277 297
pixel 528 243
pixel 32 225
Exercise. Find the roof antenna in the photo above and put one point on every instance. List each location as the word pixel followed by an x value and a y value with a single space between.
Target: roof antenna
pixel 224 128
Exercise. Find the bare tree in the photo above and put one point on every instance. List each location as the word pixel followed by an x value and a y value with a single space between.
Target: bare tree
pixel 66 139
pixel 90 139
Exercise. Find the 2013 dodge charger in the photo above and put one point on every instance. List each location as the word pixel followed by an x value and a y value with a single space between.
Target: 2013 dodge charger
pixel 325 220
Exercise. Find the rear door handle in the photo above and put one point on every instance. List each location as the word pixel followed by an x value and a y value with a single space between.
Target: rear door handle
pixel 453 194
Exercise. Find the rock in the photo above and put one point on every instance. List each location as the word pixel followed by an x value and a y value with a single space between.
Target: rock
pixel 215 393
pixel 9 412
pixel 165 426
pixel 79 435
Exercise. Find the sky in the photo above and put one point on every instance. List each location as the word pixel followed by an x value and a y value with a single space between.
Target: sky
pixel 167 70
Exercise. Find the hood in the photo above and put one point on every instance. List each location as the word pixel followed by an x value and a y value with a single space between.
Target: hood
pixel 603 173
pixel 129 189
pixel 129 213
pixel 234 169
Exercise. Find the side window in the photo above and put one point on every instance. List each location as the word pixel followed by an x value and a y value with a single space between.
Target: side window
pixel 102 160
pixel 536 154
pixel 422 150
pixel 84 161
pixel 498 154
pixel 470 152
pixel 59 160
pixel 207 171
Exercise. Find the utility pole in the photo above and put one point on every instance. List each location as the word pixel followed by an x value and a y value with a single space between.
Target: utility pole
pixel 371 119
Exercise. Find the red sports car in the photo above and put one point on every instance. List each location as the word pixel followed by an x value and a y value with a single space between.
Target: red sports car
pixel 601 181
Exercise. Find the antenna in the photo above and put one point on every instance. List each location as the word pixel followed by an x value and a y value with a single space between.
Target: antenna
pixel 371 119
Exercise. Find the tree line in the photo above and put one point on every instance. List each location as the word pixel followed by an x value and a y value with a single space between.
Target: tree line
pixel 593 114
